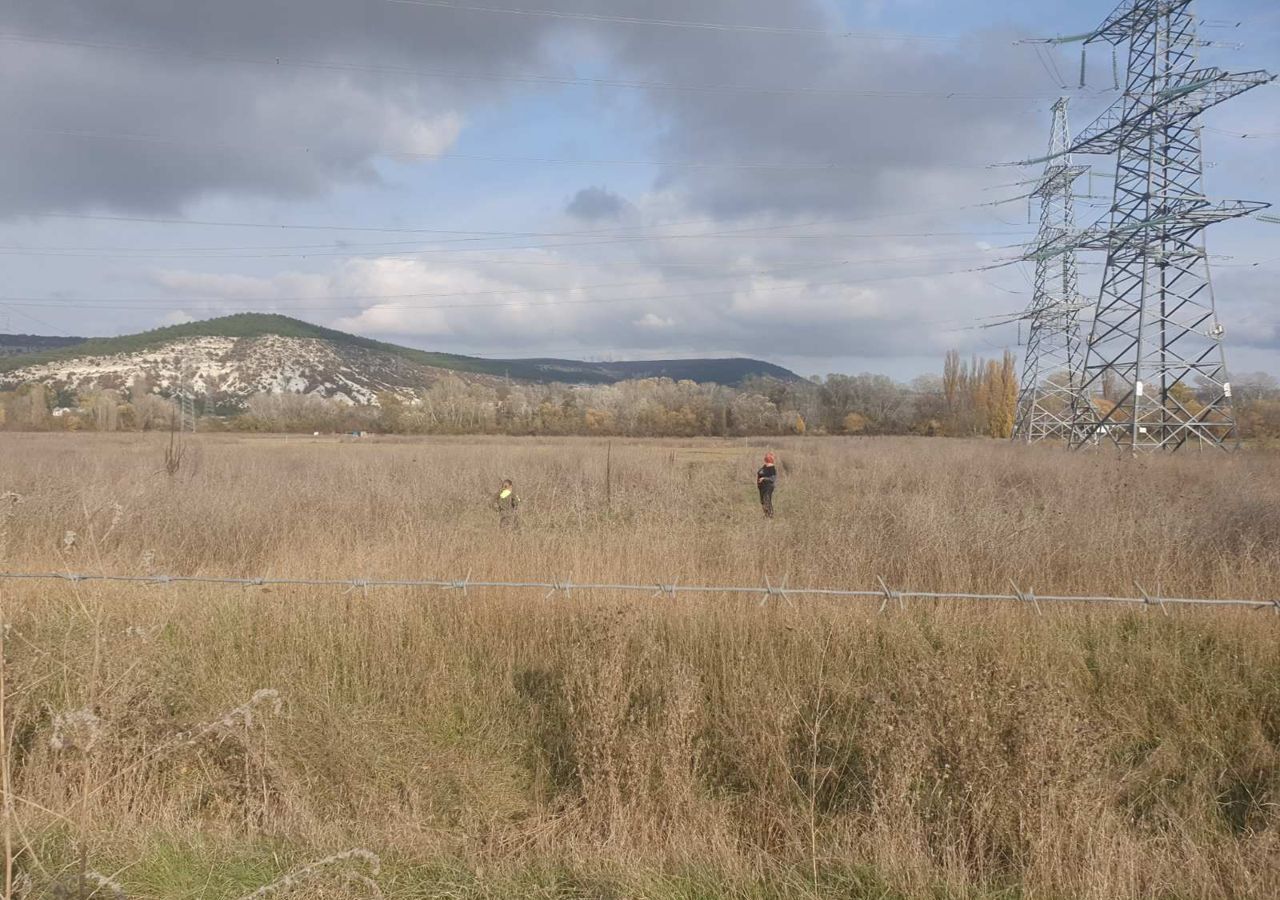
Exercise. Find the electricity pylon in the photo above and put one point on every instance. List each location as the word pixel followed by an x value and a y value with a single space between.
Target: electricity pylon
pixel 187 413
pixel 184 399
pixel 1154 374
pixel 1051 369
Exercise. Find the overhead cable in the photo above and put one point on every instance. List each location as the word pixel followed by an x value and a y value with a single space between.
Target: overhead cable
pixel 283 62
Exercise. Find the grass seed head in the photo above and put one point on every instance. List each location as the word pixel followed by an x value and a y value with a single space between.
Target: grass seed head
pixel 77 729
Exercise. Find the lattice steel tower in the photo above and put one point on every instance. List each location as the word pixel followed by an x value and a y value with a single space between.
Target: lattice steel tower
pixel 1154 375
pixel 184 399
pixel 1051 369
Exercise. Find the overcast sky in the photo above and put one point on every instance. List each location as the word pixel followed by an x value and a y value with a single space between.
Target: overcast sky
pixel 804 181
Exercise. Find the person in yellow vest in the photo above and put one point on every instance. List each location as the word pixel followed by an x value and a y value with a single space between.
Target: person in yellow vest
pixel 508 506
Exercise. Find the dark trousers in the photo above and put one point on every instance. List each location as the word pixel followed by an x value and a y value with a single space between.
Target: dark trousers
pixel 766 499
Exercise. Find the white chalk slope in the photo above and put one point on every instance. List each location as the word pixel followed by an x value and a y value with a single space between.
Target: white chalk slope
pixel 230 370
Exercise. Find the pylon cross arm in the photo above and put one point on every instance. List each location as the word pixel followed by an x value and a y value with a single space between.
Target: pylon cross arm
pixel 1130 17
pixel 1177 103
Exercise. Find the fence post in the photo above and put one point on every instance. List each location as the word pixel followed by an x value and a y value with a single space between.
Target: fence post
pixel 608 477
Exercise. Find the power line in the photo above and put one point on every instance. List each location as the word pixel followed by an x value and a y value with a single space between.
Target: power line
pixel 394 253
pixel 38 321
pixel 604 18
pixel 745 233
pixel 113 252
pixel 590 301
pixel 380 298
pixel 1050 66
pixel 739 234
pixel 310 302
pixel 399 229
pixel 1246 135
pixel 486 158
pixel 279 62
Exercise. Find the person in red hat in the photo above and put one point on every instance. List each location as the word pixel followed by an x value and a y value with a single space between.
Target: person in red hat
pixel 766 479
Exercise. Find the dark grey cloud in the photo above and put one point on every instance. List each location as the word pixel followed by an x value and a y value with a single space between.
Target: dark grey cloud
pixel 596 204
pixel 1245 301
pixel 865 152
pixel 183 106
pixel 99 127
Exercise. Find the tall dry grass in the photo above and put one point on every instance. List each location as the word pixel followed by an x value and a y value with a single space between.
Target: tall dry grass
pixel 926 514
pixel 595 745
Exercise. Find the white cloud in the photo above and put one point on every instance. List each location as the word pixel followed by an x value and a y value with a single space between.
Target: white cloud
pixel 429 136
pixel 867 255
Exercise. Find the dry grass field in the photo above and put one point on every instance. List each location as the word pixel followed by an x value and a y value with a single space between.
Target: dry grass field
pixel 195 741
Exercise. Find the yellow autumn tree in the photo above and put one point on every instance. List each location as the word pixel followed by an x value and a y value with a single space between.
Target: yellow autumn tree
pixel 855 423
pixel 1003 395
pixel 1184 396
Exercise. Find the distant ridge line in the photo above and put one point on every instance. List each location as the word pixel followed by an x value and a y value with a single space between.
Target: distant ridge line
pixel 37 351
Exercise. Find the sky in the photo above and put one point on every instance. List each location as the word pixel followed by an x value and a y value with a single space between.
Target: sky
pixel 809 182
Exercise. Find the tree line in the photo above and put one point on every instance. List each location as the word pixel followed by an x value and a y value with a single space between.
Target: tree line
pixel 971 397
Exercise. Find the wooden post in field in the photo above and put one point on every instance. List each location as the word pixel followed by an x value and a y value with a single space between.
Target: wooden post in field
pixel 608 476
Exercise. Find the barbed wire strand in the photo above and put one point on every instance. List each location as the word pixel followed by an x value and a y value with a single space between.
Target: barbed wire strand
pixel 766 591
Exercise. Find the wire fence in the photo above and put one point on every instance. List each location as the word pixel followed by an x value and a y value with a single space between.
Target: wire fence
pixel 885 594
